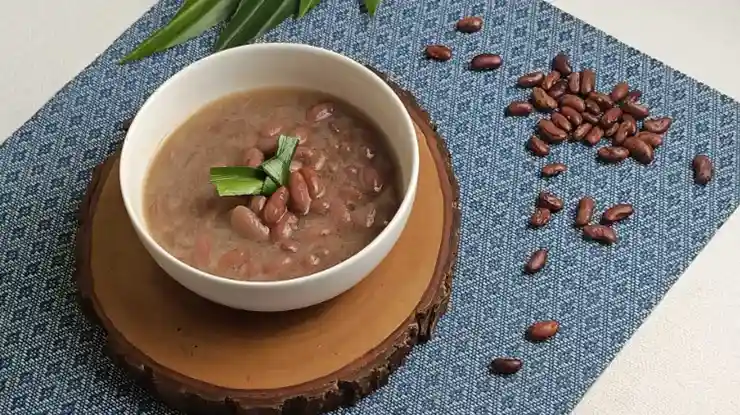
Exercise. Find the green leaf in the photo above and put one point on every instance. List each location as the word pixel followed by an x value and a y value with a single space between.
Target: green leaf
pixel 269 187
pixel 252 19
pixel 306 6
pixel 193 18
pixel 237 181
pixel 372 6
pixel 286 148
pixel 278 167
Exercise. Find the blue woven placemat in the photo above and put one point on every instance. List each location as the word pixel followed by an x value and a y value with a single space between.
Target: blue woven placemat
pixel 51 360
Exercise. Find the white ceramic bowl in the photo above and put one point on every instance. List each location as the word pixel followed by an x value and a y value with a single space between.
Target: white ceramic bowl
pixel 259 66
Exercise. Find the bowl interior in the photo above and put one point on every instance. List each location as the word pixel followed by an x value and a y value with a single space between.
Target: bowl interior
pixel 255 67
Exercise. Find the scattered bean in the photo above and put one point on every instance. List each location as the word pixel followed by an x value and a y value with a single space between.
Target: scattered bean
pixel 594 136
pixel 542 100
pixel 585 211
pixel 588 81
pixel 655 140
pixel 657 125
pixel 600 233
pixel 573 101
pixel 561 121
pixel 617 213
pixel 550 132
pixel 540 217
pixel 582 130
pixel 611 130
pixel 519 109
pixel 505 366
pixel 613 154
pixel 572 115
pixel 639 150
pixel 550 80
pixel 602 100
pixel 558 90
pixel 592 107
pixel 536 261
pixel 542 330
pixel 610 117
pixel 470 24
pixel 634 95
pixel 574 83
pixel 636 110
pixel 531 80
pixel 549 201
pixel 440 53
pixel 703 169
pixel 590 118
pixel 486 62
pixel 553 169
pixel 561 63
pixel 619 92
pixel 538 147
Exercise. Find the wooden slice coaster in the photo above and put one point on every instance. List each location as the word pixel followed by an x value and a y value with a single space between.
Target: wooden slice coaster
pixel 203 358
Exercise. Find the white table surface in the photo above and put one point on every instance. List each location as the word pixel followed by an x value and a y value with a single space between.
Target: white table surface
pixel 685 359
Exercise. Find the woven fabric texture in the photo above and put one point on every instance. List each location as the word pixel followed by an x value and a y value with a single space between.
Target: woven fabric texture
pixel 51 358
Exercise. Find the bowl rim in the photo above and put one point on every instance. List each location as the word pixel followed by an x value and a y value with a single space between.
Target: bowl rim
pixel 405 205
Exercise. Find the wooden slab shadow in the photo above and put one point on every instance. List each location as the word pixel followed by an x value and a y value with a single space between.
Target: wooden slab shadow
pixel 206 359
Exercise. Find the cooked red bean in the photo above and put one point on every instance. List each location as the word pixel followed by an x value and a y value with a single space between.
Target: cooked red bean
pixel 248 225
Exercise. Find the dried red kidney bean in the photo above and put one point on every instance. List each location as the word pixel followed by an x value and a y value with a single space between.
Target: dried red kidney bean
pixel 573 101
pixel 530 80
pixel 594 136
pixel 617 213
pixel 582 130
pixel 536 261
pixel 626 129
pixel 572 115
pixel 588 81
pixel 561 63
pixel 486 62
pixel 610 117
pixel 519 109
pixel 602 100
pixel 590 118
pixel 561 121
pixel 550 132
pixel 611 130
pixel 542 100
pixel 558 90
pixel 540 217
pixel 655 140
pixel 585 211
pixel 592 107
pixel 553 169
pixel 600 233
pixel 636 110
pixel 505 366
pixel 538 147
pixel 634 95
pixel 574 83
pixel 550 80
pixel 613 154
pixel 542 330
pixel 470 24
pixel 440 53
pixel 703 169
pixel 639 150
pixel 619 92
pixel 657 125
pixel 549 201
